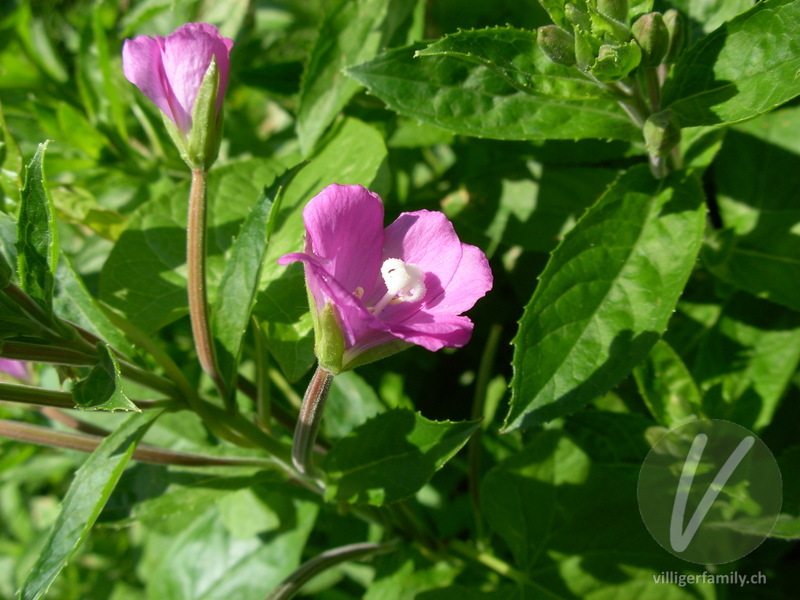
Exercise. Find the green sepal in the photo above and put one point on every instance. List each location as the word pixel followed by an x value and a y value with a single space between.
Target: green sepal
pixel 616 62
pixel 373 354
pixel 204 137
pixel 578 18
pixel 328 339
pixel 608 29
pixel 616 9
pixel 177 138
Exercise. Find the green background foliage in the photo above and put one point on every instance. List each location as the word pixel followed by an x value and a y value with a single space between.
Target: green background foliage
pixel 623 305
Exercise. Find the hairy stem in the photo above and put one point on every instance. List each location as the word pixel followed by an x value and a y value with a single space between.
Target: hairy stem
pixel 330 558
pixel 196 242
pixel 44 436
pixel 308 421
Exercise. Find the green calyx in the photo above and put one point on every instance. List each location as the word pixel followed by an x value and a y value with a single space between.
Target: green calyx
pixel 653 37
pixel 557 44
pixel 200 148
pixel 328 339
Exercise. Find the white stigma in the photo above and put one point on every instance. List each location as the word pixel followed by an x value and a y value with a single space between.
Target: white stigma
pixel 404 283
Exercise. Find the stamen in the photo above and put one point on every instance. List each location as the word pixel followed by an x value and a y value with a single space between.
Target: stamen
pixel 358 292
pixel 405 282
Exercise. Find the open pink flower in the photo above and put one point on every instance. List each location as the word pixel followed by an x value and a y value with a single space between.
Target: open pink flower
pixel 14 368
pixel 409 282
pixel 170 70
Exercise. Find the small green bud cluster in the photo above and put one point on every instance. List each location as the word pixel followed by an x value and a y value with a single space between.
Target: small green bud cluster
pixel 597 38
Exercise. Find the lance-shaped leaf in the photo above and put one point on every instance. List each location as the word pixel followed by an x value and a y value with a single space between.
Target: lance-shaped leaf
pixel 349 33
pixel 392 456
pixel 746 67
pixel 102 389
pixel 74 303
pixel 514 55
pixel 87 495
pixel 606 295
pixel 239 283
pixel 37 237
pixel 472 99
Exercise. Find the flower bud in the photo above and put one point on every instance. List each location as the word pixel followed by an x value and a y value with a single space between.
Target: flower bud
pixel 616 9
pixel 653 37
pixel 615 62
pixel 677 34
pixel 185 75
pixel 557 44
pixel 662 133
pixel 577 18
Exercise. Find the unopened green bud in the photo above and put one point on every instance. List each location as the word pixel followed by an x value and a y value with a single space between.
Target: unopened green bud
pixel 577 18
pixel 616 9
pixel 615 62
pixel 653 37
pixel 677 34
pixel 609 29
pixel 558 44
pixel 662 133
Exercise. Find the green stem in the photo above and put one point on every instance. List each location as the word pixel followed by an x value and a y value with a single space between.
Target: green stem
pixel 263 398
pixel 32 395
pixel 29 306
pixel 196 242
pixel 330 558
pixel 308 421
pixel 653 88
pixel 489 560
pixel 478 402
pixel 46 354
pixel 44 436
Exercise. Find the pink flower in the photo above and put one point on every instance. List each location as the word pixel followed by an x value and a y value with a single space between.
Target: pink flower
pixel 14 368
pixel 170 70
pixel 408 283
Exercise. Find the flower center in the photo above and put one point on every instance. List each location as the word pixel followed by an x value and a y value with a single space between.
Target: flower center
pixel 405 282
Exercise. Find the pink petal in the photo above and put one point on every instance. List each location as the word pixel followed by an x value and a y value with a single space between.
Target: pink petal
pixel 446 331
pixel 356 321
pixel 344 227
pixel 187 53
pixel 143 67
pixel 428 240
pixel 472 279
pixel 14 368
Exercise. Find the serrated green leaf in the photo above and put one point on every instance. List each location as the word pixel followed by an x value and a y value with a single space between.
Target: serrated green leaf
pixel 102 388
pixel 606 295
pixel 144 277
pixel 351 402
pixel 282 305
pixel 239 283
pixel 745 362
pixel 349 33
pixel 87 495
pixel 757 180
pixel 10 164
pixel 667 386
pixel 37 236
pixel 470 99
pixel 746 67
pixel 392 456
pixel 514 55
